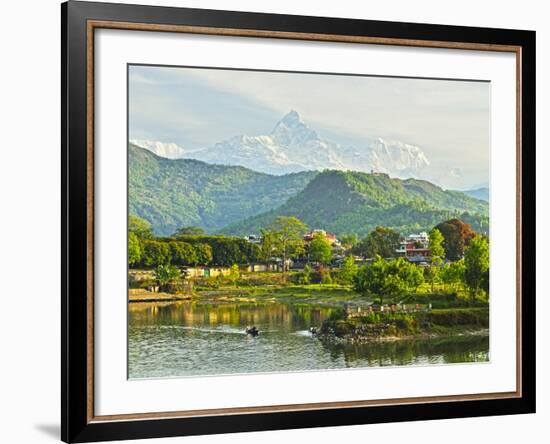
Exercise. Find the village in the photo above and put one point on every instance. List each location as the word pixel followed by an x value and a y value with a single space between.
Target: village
pixel 414 248
pixel 383 273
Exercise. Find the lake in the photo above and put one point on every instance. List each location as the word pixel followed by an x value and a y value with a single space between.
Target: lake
pixel 196 339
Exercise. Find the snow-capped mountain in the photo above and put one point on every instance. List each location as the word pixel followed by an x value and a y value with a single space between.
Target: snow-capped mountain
pixel 292 146
pixel 167 150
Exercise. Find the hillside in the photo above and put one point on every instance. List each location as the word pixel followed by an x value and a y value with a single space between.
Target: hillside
pixel 175 193
pixel 478 193
pixel 353 202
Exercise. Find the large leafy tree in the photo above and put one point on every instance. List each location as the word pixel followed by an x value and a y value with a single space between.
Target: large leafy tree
pixel 155 253
pixel 381 241
pixel 182 253
pixel 457 235
pixel 476 261
pixel 287 232
pixel 134 249
pixel 452 273
pixel 348 271
pixel 320 249
pixel 267 246
pixel 387 278
pixel 437 252
pixel 225 251
pixel 140 227
pixel 203 254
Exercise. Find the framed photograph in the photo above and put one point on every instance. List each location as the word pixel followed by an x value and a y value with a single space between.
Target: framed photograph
pixel 275 221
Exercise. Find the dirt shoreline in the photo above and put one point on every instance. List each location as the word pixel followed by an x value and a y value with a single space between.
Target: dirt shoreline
pixel 148 296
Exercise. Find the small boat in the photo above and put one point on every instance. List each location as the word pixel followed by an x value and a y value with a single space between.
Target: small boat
pixel 313 330
pixel 252 331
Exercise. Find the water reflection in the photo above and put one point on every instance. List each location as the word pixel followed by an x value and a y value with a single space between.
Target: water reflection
pixel 185 339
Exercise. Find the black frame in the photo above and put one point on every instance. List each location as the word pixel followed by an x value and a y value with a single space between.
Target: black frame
pixel 75 425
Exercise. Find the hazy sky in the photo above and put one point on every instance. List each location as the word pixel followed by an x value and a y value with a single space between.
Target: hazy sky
pixel 194 108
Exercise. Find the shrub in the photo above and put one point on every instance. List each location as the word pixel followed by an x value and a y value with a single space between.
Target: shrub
pixel 325 276
pixel 459 316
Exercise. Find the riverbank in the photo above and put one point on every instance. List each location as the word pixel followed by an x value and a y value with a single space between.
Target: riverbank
pixel 405 326
pixel 140 295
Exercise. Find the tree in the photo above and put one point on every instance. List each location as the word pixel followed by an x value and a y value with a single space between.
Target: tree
pixel 203 254
pixel 382 242
pixel 182 253
pixel 373 279
pixel 140 227
pixel 166 276
pixel 437 252
pixel 452 273
pixel 226 251
pixel 432 275
pixel 348 270
pixel 155 253
pixel 267 246
pixel 320 249
pixel 476 261
pixel 387 278
pixel 457 235
pixel 134 249
pixel 411 274
pixel 189 231
pixel 288 239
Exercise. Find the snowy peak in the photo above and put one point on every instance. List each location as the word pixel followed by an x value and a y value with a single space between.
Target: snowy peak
pixel 291 130
pixel 401 156
pixel 293 146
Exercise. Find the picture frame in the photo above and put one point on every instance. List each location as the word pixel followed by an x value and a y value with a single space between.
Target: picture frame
pixel 80 22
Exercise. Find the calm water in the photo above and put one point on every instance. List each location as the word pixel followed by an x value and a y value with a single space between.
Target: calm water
pixel 186 339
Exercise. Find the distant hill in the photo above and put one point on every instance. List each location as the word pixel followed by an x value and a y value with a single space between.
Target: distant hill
pixel 175 193
pixel 478 193
pixel 353 202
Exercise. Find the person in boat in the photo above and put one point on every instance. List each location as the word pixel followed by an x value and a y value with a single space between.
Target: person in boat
pixel 253 331
pixel 313 330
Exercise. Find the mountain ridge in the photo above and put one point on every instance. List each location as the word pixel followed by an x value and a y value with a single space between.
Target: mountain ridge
pixel 355 202
pixel 293 146
pixel 183 192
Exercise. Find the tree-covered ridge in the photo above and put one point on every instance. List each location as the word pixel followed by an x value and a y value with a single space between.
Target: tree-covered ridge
pixel 184 192
pixel 353 202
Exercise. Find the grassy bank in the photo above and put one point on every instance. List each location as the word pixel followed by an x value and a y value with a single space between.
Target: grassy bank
pixel 317 295
pixel 380 325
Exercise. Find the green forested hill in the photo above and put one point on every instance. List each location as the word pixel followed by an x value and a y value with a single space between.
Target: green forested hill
pixel 175 193
pixel 352 202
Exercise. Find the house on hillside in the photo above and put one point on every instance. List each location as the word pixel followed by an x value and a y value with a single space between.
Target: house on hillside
pixel 415 248
pixel 331 237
